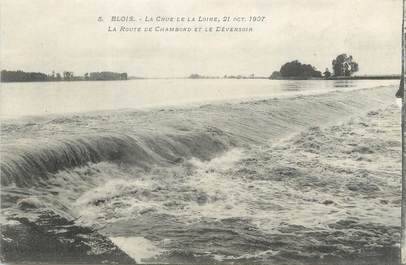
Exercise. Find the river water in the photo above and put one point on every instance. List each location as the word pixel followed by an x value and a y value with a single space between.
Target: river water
pixel 229 171
pixel 20 99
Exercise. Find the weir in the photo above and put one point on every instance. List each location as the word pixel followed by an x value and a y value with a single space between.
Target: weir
pixel 24 165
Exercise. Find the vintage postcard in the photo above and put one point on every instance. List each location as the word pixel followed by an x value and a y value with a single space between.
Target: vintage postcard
pixel 202 132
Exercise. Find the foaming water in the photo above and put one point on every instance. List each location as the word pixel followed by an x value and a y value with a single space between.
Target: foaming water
pixel 138 248
pixel 283 181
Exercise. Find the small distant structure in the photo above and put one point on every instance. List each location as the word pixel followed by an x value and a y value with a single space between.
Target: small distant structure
pixel 195 76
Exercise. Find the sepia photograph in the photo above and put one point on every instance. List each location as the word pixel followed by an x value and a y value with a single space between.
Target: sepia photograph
pixel 222 132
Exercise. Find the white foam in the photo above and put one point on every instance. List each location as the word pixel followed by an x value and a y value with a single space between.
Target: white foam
pixel 138 248
pixel 220 163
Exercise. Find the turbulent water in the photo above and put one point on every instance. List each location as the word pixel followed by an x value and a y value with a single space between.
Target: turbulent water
pixel 301 180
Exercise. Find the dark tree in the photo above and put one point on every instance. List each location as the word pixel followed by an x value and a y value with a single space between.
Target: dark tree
pixel 296 69
pixel 67 76
pixel 123 76
pixel 327 73
pixel 344 65
pixel 275 75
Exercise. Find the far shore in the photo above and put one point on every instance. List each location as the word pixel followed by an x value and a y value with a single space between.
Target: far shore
pixel 361 77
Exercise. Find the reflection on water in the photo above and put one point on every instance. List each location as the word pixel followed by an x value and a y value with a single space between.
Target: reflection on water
pixel 298 85
pixel 20 99
pixel 344 83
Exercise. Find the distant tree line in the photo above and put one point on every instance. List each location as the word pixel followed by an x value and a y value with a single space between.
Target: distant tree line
pixel 198 76
pixel 106 76
pixel 343 67
pixel 21 76
pixel 251 76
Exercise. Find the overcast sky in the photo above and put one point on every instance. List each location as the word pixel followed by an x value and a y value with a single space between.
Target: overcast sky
pixel 46 35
